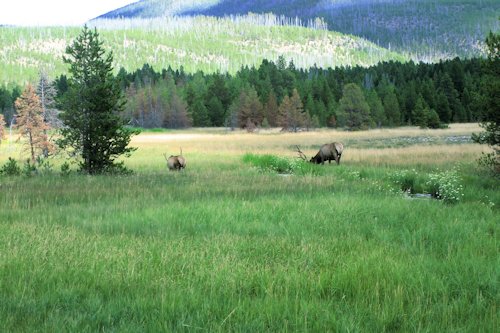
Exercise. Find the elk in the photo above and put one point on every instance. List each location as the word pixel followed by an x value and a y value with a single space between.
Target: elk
pixel 327 152
pixel 175 162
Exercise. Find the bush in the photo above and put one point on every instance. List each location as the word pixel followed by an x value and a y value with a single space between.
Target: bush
pixel 65 169
pixel 408 181
pixel 490 162
pixel 10 168
pixel 269 163
pixel 445 186
pixel 29 169
pixel 280 165
pixel 43 165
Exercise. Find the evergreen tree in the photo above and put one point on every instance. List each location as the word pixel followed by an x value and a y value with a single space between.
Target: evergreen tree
pixel 420 113
pixel 250 110
pixel 178 115
pixel 447 89
pixel 93 128
pixel 491 122
pixel 216 111
pixel 270 109
pixel 391 107
pixel 31 124
pixel 217 88
pixel 432 118
pixel 6 104
pixel 443 107
pixel 291 116
pixel 377 112
pixel 199 114
pixel 310 106
pixel 354 108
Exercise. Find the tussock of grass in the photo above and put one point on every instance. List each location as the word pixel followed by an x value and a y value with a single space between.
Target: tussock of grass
pixel 281 165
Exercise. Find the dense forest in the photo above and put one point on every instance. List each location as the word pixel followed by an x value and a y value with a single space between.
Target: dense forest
pixel 280 95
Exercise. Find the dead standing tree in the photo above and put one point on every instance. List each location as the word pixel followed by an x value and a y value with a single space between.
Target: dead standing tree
pixel 30 122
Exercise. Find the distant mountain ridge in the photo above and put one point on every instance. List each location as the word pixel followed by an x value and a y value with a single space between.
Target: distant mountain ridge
pixel 425 30
pixel 159 8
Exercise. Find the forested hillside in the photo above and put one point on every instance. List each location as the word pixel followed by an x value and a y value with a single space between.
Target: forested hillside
pixel 427 30
pixel 195 43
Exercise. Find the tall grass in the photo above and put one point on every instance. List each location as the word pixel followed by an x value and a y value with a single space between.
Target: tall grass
pixel 222 246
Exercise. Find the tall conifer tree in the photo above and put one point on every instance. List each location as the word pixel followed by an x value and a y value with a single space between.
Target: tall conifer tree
pixel 92 105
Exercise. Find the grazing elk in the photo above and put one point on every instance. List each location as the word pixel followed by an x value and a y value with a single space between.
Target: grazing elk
pixel 177 162
pixel 182 160
pixel 327 152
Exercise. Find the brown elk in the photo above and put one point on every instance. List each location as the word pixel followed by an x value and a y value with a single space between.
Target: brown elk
pixel 327 152
pixel 175 162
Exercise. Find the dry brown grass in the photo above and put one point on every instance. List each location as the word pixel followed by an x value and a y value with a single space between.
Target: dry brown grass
pixel 197 143
pixel 203 145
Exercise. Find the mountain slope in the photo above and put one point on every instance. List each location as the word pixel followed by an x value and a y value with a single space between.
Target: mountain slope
pixel 425 30
pixel 201 43
pixel 159 8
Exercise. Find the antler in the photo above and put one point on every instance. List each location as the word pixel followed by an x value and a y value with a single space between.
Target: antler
pixel 301 154
pixel 181 150
pixel 165 155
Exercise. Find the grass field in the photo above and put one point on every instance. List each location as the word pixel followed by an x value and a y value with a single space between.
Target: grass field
pixel 224 246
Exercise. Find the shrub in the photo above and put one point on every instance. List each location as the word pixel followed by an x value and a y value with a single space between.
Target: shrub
pixel 445 186
pixel 269 163
pixel 29 169
pixel 65 170
pixel 43 165
pixel 10 168
pixel 408 181
pixel 490 162
pixel 279 164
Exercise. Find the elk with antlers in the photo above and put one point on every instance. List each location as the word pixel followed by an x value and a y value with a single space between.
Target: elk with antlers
pixel 175 162
pixel 327 152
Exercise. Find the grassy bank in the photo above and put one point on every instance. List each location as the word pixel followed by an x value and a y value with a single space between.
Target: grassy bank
pixel 224 246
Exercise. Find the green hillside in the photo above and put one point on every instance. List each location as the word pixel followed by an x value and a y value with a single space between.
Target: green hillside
pixel 424 30
pixel 196 43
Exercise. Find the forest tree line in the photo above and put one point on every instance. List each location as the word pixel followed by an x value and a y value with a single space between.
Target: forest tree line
pixel 276 94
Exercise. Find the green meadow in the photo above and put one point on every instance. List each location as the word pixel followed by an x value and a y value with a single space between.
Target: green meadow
pixel 231 245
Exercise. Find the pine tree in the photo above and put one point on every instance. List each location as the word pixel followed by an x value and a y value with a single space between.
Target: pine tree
pixel 291 116
pixel 420 113
pixel 216 111
pixel 250 110
pixel 354 108
pixel 93 128
pixel 432 118
pixel 376 108
pixel 178 115
pixel 491 122
pixel 30 122
pixel 270 109
pixel 6 104
pixel 199 114
pixel 391 107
